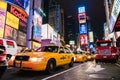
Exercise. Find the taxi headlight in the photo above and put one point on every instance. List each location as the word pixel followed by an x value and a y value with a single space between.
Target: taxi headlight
pixel 35 59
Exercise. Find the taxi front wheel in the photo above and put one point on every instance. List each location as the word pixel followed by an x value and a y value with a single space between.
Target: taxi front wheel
pixel 50 66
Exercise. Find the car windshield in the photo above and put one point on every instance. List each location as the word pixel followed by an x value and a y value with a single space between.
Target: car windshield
pixel 26 50
pixel 48 49
pixel 104 44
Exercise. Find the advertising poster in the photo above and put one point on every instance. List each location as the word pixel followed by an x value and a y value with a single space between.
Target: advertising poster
pixel 91 37
pixel 10 33
pixel 37 26
pixel 82 18
pixel 83 39
pixel 81 9
pixel 83 29
pixel 3 6
pixel 21 38
pixel 50 32
pixel 12 21
pixel 18 17
pixel 44 29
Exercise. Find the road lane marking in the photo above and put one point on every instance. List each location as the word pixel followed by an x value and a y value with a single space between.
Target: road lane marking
pixel 61 72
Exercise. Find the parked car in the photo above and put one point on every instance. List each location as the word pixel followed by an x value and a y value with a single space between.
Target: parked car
pixel 10 45
pixel 45 58
pixel 3 61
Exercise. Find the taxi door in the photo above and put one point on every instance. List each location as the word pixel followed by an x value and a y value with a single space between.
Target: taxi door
pixel 68 55
pixel 62 56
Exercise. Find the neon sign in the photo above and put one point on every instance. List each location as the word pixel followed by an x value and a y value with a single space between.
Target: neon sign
pixel 17 14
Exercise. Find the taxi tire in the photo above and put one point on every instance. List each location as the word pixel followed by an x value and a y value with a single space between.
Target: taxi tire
pixel 50 66
pixel 71 63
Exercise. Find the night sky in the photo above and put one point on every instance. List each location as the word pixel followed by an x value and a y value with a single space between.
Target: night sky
pixel 94 9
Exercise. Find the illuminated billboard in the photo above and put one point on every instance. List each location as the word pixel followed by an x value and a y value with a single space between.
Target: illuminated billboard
pixel 83 28
pixel 21 38
pixel 83 39
pixel 112 23
pixel 44 31
pixel 114 14
pixel 91 37
pixel 82 18
pixel 50 32
pixel 12 21
pixel 81 9
pixel 3 7
pixel 16 18
pixel 37 26
pixel 10 33
pixel 20 3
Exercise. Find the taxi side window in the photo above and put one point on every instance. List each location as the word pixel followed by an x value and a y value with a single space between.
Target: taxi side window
pixel 67 50
pixel 10 44
pixel 61 50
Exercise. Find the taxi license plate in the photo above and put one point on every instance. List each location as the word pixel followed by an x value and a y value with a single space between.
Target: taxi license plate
pixel 17 64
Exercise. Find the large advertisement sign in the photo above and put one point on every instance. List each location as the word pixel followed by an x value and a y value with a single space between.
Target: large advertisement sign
pixel 114 14
pixel 44 31
pixel 12 21
pixel 10 33
pixel 112 23
pixel 91 37
pixel 82 18
pixel 83 29
pixel 21 38
pixel 83 39
pixel 37 26
pixel 50 32
pixel 16 17
pixel 3 7
pixel 115 9
pixel 81 9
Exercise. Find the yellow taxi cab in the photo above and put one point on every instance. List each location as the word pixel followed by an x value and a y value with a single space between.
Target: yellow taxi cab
pixel 45 58
pixel 80 57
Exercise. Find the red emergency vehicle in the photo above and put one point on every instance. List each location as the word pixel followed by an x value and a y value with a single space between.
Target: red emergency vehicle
pixel 105 50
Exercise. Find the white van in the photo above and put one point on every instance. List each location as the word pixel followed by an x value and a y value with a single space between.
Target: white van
pixel 10 45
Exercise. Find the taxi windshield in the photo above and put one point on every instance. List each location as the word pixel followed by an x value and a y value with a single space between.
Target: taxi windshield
pixel 48 49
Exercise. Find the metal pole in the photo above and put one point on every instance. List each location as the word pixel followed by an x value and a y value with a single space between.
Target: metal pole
pixel 29 28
